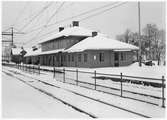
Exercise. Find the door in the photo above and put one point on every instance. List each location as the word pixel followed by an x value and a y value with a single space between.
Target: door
pixel 116 59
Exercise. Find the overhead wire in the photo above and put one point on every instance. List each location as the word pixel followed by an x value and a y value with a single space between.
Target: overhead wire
pixel 40 12
pixel 57 10
pixel 20 14
pixel 78 15
pixel 98 13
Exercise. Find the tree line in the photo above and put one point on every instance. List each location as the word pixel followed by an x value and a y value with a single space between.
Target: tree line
pixel 153 40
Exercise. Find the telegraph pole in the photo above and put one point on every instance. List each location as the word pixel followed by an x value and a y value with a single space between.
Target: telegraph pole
pixel 12 35
pixel 140 57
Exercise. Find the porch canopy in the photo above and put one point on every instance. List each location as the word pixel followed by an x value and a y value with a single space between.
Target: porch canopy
pixel 101 43
pixel 39 52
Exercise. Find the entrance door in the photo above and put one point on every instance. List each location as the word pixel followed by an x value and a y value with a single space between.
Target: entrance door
pixel 116 59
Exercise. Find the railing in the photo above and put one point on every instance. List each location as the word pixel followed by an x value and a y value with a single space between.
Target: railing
pixel 116 84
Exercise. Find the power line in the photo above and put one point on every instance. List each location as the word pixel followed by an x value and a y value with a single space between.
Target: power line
pixel 78 15
pixel 40 12
pixel 20 14
pixel 57 10
pixel 98 13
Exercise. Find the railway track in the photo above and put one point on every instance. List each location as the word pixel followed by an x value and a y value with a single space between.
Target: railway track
pixel 116 89
pixel 74 92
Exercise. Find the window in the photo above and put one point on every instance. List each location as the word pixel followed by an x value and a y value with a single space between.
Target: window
pixel 101 57
pixel 79 57
pixel 69 58
pixel 64 58
pixel 72 57
pixel 85 57
pixel 122 57
pixel 57 58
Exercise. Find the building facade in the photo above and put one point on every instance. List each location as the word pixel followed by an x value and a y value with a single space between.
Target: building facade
pixel 79 47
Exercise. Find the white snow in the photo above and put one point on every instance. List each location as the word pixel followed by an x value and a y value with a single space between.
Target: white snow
pixel 39 52
pixel 100 43
pixel 92 106
pixel 30 52
pixel 22 101
pixel 71 31
pixel 16 51
pixel 131 70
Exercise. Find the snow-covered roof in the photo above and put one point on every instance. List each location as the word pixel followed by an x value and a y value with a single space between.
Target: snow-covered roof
pixel 39 52
pixel 71 31
pixel 30 52
pixel 52 51
pixel 16 51
pixel 100 43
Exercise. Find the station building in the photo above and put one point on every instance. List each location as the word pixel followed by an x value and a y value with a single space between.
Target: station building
pixel 79 47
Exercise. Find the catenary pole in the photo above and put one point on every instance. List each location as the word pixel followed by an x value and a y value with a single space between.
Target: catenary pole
pixel 139 34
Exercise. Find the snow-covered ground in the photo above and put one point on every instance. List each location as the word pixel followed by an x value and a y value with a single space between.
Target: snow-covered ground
pixel 99 110
pixel 22 101
pixel 131 70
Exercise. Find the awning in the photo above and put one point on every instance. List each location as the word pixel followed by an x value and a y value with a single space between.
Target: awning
pixel 119 50
pixel 52 51
pixel 37 53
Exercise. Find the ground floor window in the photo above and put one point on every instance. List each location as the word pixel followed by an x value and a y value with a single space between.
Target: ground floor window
pixel 101 57
pixel 79 57
pixel 69 58
pixel 57 58
pixel 122 57
pixel 85 57
pixel 72 57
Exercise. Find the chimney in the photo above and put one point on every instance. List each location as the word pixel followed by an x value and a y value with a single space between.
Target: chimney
pixel 94 34
pixel 75 23
pixel 61 28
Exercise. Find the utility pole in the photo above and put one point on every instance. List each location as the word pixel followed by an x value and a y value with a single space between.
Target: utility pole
pixel 6 55
pixel 140 57
pixel 12 35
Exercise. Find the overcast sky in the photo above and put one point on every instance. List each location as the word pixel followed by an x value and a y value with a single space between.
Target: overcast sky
pixel 112 22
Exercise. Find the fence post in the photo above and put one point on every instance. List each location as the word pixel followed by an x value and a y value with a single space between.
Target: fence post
pixel 33 69
pixel 95 78
pixel 64 75
pixel 121 84
pixel 53 72
pixel 163 86
pixel 29 69
pixel 76 76
pixel 39 68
